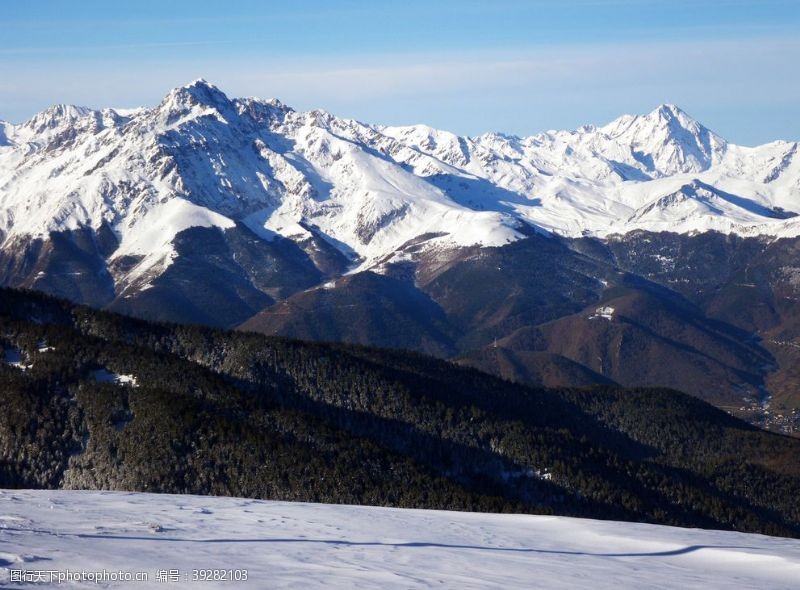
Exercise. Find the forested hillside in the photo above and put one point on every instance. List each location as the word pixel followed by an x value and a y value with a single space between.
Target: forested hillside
pixel 101 401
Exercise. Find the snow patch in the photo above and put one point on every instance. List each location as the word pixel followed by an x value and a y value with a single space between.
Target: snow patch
pixel 605 313
pixel 528 473
pixel 42 347
pixel 106 376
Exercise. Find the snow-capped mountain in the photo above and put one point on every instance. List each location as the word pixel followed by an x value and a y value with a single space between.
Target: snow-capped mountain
pixel 202 159
pixel 244 212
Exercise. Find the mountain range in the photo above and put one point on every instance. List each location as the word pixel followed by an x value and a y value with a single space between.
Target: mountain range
pixel 646 252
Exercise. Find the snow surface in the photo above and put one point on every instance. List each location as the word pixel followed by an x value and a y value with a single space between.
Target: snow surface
pixel 43 347
pixel 106 376
pixel 200 158
pixel 606 312
pixel 294 545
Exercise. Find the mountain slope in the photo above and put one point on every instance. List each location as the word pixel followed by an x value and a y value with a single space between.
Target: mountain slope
pixel 636 338
pixel 226 212
pixel 101 401
pixel 363 308
pixel 543 311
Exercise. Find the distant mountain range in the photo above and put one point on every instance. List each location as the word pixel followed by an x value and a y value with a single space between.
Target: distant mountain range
pixel 649 251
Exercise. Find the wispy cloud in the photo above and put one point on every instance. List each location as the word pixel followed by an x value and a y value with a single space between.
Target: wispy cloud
pixel 94 50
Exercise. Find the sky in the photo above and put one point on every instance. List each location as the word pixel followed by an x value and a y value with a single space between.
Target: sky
pixel 468 66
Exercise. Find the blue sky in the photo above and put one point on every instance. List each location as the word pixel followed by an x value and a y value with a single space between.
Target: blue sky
pixel 468 66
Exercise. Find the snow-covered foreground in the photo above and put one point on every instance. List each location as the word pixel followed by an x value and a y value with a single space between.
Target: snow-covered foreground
pixel 297 545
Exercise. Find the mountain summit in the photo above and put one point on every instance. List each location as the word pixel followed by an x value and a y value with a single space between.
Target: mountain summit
pixel 667 141
pixel 370 188
pixel 199 95
pixel 355 196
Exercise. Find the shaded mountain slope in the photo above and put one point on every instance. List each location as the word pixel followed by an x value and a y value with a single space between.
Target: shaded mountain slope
pixel 544 311
pixel 636 338
pixel 365 308
pixel 104 401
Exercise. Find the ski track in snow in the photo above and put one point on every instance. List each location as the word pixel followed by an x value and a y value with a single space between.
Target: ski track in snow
pixel 297 545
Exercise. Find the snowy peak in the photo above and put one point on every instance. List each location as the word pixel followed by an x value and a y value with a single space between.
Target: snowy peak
pixel 56 116
pixel 692 199
pixel 698 204
pixel 201 92
pixel 57 124
pixel 202 158
pixel 447 147
pixel 669 111
pixel 667 141
pixel 198 98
